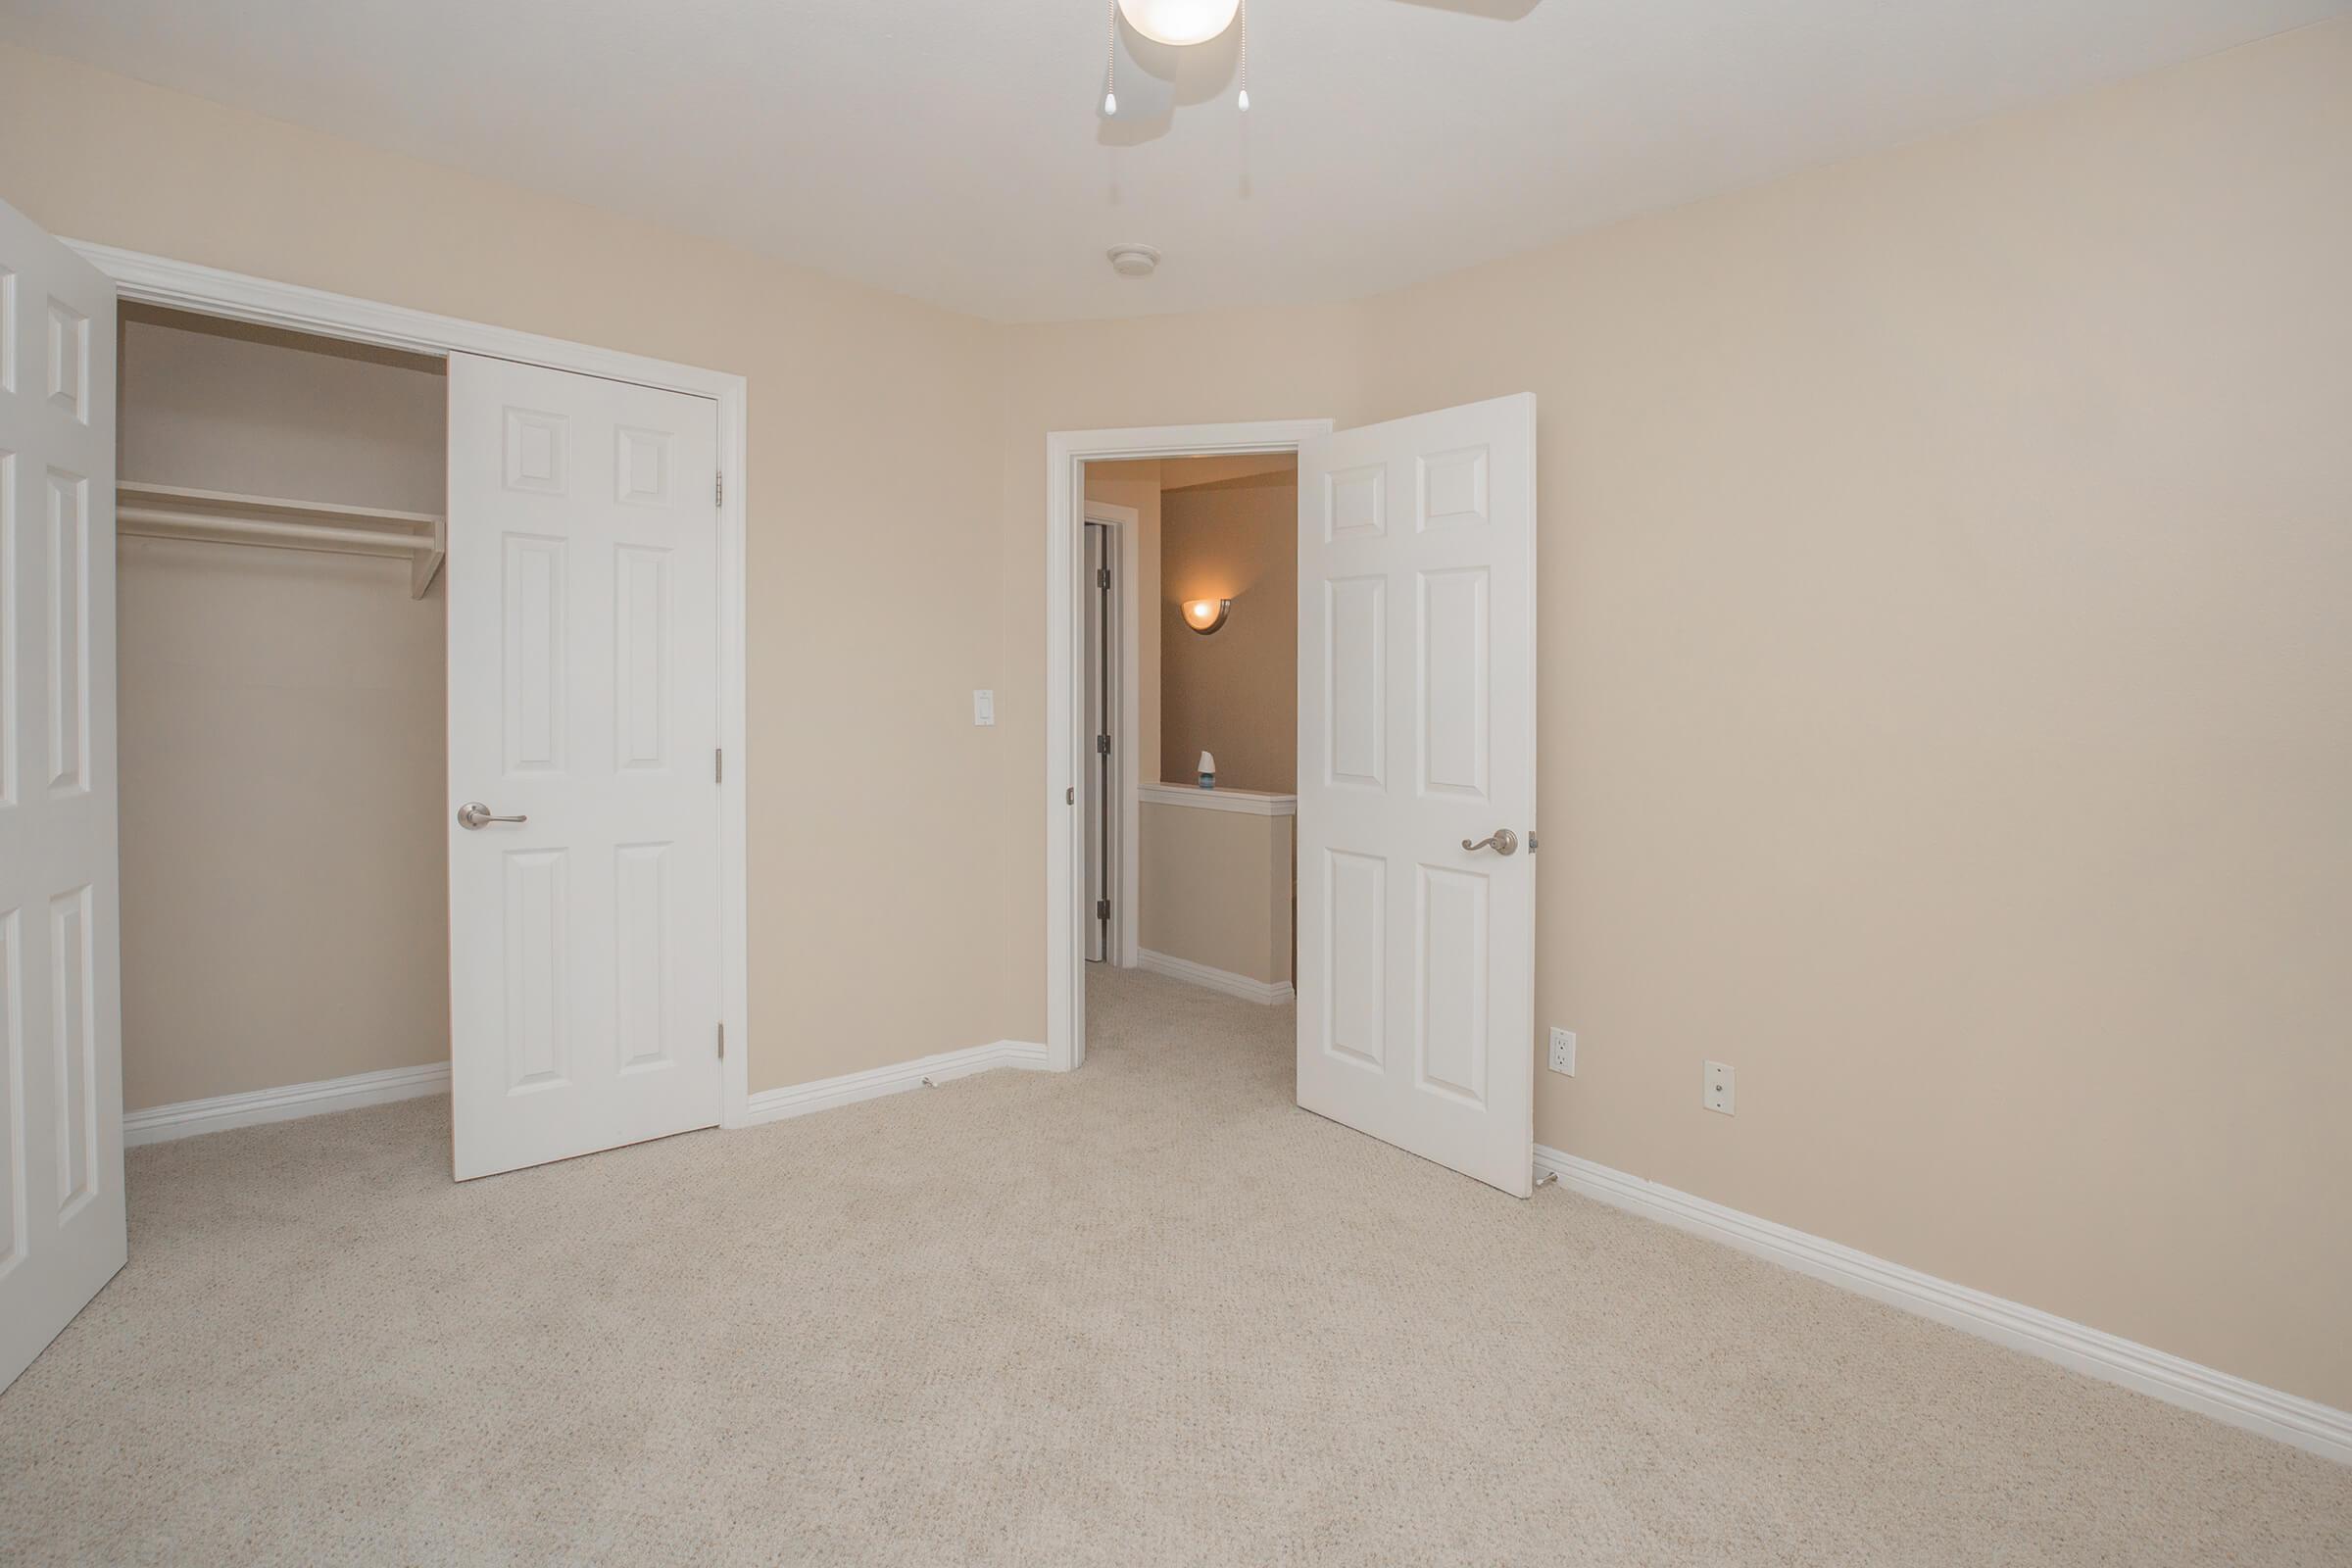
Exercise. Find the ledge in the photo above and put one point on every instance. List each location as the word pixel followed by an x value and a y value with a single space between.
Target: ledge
pixel 1251 802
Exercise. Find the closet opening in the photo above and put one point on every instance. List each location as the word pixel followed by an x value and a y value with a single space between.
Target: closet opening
pixel 384 677
pixel 282 715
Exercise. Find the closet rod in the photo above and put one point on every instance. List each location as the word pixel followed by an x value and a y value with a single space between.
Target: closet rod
pixel 390 544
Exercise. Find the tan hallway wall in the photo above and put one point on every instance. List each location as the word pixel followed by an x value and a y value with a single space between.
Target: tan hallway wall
pixel 1216 889
pixel 869 416
pixel 1232 692
pixel 286 900
pixel 1943 684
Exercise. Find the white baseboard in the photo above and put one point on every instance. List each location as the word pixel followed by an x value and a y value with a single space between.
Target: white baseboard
pixel 158 1124
pixel 1268 992
pixel 799 1100
pixel 162 1123
pixel 2305 1423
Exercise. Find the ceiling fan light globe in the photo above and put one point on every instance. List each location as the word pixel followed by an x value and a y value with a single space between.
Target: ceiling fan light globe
pixel 1179 22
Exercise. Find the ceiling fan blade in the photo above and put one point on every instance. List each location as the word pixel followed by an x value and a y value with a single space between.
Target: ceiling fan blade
pixel 1493 10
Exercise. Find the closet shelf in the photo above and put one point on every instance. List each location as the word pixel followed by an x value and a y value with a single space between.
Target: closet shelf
pixel 220 517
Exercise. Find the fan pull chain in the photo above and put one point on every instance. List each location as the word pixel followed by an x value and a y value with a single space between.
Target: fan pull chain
pixel 1244 56
pixel 1110 62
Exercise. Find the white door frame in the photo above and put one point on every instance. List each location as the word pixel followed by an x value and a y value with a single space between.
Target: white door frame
pixel 183 285
pixel 1066 450
pixel 1126 721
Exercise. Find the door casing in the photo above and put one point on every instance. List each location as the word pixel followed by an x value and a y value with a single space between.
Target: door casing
pixel 183 285
pixel 1068 451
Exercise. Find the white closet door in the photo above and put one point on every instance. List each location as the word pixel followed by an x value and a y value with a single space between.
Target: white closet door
pixel 1417 742
pixel 62 1231
pixel 583 699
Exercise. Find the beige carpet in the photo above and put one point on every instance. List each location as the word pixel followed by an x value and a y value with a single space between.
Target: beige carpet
pixel 1146 1313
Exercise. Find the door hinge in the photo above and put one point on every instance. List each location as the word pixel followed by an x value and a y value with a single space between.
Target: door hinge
pixel 723 1042
pixel 718 766
pixel 1102 909
pixel 1102 577
pixel 718 489
pixel 1103 744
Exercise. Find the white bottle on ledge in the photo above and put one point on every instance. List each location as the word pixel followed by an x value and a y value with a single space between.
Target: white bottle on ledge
pixel 1209 771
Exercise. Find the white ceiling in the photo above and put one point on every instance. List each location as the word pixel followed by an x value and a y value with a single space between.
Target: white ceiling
pixel 953 150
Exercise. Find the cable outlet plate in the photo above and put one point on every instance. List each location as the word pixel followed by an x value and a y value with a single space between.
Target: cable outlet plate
pixel 1717 1092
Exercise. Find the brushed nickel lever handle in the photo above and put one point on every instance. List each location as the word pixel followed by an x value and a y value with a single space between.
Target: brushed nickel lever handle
pixel 474 815
pixel 1503 841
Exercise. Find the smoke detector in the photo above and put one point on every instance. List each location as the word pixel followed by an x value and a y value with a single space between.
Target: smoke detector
pixel 1134 261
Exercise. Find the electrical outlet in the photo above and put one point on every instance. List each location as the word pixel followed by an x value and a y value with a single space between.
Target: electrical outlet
pixel 1563 1052
pixel 1718 1093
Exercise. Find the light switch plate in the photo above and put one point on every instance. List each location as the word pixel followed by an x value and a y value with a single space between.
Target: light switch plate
pixel 984 707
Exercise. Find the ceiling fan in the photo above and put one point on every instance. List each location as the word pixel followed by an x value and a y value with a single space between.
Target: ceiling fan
pixel 1181 24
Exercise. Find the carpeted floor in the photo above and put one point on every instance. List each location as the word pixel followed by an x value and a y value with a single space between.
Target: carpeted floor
pixel 1148 1312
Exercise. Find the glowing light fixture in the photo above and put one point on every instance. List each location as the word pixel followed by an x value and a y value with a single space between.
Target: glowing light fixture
pixel 1179 22
pixel 1206 615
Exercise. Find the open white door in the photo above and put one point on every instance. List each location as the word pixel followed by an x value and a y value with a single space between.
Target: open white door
pixel 62 1226
pixel 583 724
pixel 1417 738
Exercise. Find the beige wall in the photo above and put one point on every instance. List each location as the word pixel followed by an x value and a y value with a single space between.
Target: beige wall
pixel 1214 887
pixel 285 909
pixel 870 414
pixel 1233 692
pixel 1943 661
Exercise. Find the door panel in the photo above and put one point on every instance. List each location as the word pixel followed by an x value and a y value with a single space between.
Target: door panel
pixel 1355 902
pixel 583 617
pixel 1417 733
pixel 62 1216
pixel 1355 640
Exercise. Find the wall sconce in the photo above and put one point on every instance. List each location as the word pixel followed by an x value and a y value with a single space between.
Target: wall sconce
pixel 1206 615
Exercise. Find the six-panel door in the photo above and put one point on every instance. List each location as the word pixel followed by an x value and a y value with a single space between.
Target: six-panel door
pixel 62 1216
pixel 583 697
pixel 1417 733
